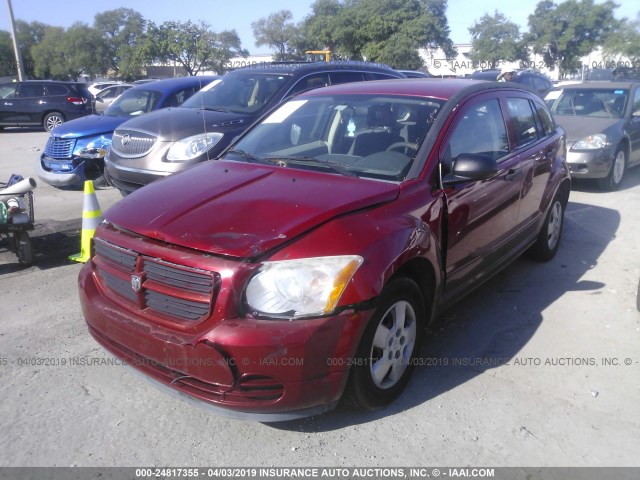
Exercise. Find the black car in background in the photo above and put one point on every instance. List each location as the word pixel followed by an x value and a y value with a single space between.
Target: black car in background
pixel 45 103
pixel 535 80
pixel 163 142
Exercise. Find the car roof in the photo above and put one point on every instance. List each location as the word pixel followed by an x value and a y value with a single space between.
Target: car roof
pixel 441 88
pixel 302 67
pixel 604 84
pixel 173 83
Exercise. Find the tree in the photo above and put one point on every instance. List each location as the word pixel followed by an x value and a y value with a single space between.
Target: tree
pixel 192 46
pixel 564 33
pixel 495 39
pixel 7 57
pixel 121 29
pixel 68 54
pixel 389 31
pixel 29 34
pixel 624 43
pixel 277 31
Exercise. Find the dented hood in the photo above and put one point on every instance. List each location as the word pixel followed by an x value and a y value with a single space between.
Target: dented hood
pixel 241 209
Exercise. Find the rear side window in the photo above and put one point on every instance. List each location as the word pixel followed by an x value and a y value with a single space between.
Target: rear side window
pixel 177 98
pixel 548 127
pixel 523 121
pixel 28 90
pixel 379 76
pixel 57 89
pixel 346 77
pixel 310 82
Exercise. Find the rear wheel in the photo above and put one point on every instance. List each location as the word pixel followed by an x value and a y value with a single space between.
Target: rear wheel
pixel 548 239
pixel 52 120
pixel 613 180
pixel 23 248
pixel 386 355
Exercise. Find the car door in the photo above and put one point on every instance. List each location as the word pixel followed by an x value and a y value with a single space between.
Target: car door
pixel 7 97
pixel 481 215
pixel 29 103
pixel 634 126
pixel 530 127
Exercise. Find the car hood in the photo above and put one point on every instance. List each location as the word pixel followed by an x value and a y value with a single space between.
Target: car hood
pixel 240 209
pixel 577 128
pixel 173 124
pixel 89 125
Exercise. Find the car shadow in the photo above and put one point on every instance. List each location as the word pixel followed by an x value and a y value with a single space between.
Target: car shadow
pixel 631 179
pixel 493 323
pixel 52 243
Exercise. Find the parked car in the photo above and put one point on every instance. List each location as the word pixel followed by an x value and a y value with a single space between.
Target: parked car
pixel 145 149
pixel 535 80
pixel 97 87
pixel 43 103
pixel 602 121
pixel 304 264
pixel 105 97
pixel 75 151
pixel 415 74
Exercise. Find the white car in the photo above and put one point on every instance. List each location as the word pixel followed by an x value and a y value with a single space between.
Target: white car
pixel 95 88
pixel 105 97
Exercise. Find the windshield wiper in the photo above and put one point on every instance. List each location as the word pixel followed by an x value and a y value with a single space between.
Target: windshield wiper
pixel 213 109
pixel 248 156
pixel 334 166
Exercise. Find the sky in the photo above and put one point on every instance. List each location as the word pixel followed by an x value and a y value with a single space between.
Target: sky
pixel 239 14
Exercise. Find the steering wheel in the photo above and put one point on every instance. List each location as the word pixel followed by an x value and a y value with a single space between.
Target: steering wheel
pixel 397 145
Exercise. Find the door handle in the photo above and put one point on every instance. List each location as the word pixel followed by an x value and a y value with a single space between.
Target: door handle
pixel 513 173
pixel 8 104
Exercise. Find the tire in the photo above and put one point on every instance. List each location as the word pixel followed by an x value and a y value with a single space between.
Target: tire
pixel 548 241
pixel 613 180
pixel 23 248
pixel 387 352
pixel 52 120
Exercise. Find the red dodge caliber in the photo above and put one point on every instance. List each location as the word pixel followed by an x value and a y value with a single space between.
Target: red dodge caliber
pixel 304 264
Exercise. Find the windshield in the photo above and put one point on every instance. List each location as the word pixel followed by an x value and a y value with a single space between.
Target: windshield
pixel 582 102
pixel 373 136
pixel 245 92
pixel 133 102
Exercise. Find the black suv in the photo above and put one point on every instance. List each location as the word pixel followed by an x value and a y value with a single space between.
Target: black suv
pixel 535 80
pixel 163 142
pixel 42 102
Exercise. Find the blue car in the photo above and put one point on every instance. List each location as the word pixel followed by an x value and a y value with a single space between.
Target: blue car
pixel 75 150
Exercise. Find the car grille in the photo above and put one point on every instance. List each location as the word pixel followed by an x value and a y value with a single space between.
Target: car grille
pixel 162 289
pixel 59 147
pixel 132 144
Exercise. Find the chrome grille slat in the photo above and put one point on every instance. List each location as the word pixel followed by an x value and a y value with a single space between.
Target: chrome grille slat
pixel 198 282
pixel 132 144
pixel 59 147
pixel 118 285
pixel 176 307
pixel 116 256
pixel 170 290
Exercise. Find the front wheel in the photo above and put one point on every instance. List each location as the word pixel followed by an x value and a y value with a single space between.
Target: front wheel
pixel 613 180
pixel 548 241
pixel 52 120
pixel 387 352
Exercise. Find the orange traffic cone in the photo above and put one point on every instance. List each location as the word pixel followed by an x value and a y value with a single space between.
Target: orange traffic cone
pixel 91 218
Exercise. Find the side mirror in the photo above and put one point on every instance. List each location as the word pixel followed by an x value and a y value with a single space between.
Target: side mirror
pixel 471 167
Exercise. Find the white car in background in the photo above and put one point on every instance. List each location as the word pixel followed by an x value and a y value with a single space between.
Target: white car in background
pixel 105 97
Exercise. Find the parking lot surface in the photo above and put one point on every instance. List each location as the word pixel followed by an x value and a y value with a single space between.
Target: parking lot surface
pixel 538 367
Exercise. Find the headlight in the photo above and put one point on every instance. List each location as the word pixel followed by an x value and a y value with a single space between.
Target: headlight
pixel 97 148
pixel 192 147
pixel 592 142
pixel 301 288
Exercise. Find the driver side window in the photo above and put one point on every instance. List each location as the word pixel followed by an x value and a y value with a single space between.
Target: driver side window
pixel 479 129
